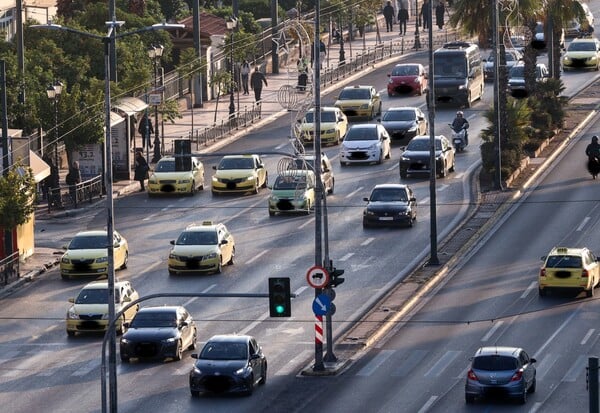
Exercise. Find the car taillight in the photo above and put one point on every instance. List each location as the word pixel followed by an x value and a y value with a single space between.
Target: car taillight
pixel 584 273
pixel 517 376
pixel 471 375
pixel 543 272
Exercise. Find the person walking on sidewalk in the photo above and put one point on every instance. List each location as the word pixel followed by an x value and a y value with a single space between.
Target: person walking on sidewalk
pixel 146 129
pixel 141 170
pixel 402 19
pixel 245 72
pixel 388 13
pixel 439 14
pixel 72 179
pixel 256 83
pixel 425 14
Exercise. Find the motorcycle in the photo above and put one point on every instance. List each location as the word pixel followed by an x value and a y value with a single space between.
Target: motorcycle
pixel 459 138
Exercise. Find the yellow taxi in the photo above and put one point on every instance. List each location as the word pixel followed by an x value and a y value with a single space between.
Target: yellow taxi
pixel 182 176
pixel 334 125
pixel 293 191
pixel 569 268
pixel 204 247
pixel 89 310
pixel 239 173
pixel 359 101
pixel 87 254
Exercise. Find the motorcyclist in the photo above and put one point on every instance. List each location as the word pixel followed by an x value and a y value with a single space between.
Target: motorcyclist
pixel 593 153
pixel 460 123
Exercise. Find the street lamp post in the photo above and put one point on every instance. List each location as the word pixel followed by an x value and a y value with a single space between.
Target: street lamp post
pixel 231 25
pixel 110 335
pixel 417 35
pixel 53 92
pixel 155 52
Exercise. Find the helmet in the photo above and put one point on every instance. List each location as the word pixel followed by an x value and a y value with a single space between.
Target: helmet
pixel 594 138
pixel 459 113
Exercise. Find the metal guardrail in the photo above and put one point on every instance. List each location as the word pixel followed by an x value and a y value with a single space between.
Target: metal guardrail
pixel 70 196
pixel 9 269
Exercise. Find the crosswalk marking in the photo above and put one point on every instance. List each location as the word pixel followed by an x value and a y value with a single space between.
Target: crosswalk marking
pixel 28 361
pixel 577 368
pixel 87 367
pixel 439 367
pixel 374 364
pixel 413 360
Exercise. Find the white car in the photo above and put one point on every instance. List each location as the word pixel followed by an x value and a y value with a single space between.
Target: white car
pixel 365 143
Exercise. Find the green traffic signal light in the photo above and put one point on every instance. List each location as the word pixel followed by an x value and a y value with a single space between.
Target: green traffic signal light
pixel 280 297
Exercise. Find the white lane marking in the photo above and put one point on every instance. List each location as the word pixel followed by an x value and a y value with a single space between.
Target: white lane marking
pixel 257 256
pixel 442 363
pixel 536 406
pixel 282 145
pixel 367 241
pixel 394 166
pixel 544 365
pixel 32 359
pixel 458 176
pixel 87 368
pixel 424 201
pixel 492 331
pixel 308 222
pixel 428 404
pixel 583 224
pixel 587 336
pixel 346 257
pixel 300 290
pixel 351 194
pixel 440 188
pixel 254 324
pixel 577 368
pixel 374 364
pixel 191 300
pixel 529 288
pixel 291 365
pixel 558 330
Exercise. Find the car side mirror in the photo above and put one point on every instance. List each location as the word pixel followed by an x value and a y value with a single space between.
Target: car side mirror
pixel 194 355
pixel 223 242
pixel 71 299
pixel 126 325
pixel 172 242
pixel 413 199
pixel 532 360
pixel 214 167
pixel 183 324
pixel 366 199
pixel 254 356
pixel 543 258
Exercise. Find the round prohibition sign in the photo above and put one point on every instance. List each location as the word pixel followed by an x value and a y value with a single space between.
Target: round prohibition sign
pixel 317 277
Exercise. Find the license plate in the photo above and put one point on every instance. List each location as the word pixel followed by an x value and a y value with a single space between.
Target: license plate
pixel 386 218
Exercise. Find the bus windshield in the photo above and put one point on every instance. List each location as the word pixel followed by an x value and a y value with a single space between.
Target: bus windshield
pixel 449 66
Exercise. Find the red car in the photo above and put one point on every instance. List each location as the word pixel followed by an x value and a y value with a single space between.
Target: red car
pixel 407 79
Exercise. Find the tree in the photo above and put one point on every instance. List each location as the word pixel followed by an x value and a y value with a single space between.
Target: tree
pixel 558 14
pixel 17 190
pixel 222 81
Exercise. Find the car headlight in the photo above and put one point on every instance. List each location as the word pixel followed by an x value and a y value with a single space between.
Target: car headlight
pixel 169 340
pixel 373 147
pixel 196 370
pixel 462 87
pixel 65 260
pixel 249 178
pixel 365 106
pixel 273 198
pixel 175 256
pixel 369 213
pixel 404 158
pixel 215 179
pixel 101 260
pixel 72 315
pixel 152 180
pixel 125 341
pixel 211 255
pixel 241 372
pixel 329 131
pixel 185 181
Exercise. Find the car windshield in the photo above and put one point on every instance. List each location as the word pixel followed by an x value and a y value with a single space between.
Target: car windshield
pixel 197 238
pixel 361 134
pixel 564 261
pixel 449 66
pixel 388 195
pixel 326 116
pixel 301 164
pixel 224 351
pixel 148 319
pixel 165 166
pixel 420 145
pixel 355 94
pixel 399 115
pixel 236 163
pixel 95 296
pixel 582 47
pixel 495 363
pixel 405 71
pixel 88 242
pixel 517 71
pixel 290 182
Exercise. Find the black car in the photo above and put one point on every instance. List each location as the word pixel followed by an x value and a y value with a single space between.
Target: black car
pixel 159 333
pixel 404 123
pixel 415 158
pixel 390 204
pixel 228 363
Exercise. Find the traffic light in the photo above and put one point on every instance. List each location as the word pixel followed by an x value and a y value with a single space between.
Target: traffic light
pixel 335 278
pixel 280 303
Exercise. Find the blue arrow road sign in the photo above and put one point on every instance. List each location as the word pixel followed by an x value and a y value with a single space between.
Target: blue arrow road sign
pixel 321 304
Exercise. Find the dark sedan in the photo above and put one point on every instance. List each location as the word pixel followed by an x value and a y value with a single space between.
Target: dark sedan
pixel 416 157
pixel 390 204
pixel 228 363
pixel 159 333
pixel 404 123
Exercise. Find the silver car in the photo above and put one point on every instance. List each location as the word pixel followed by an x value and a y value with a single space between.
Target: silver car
pixel 501 371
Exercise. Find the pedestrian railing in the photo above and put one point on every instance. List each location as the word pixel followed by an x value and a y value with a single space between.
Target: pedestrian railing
pixel 9 269
pixel 70 196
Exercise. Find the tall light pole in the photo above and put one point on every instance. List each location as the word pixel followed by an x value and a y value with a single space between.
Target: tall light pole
pixel 53 91
pixel 155 52
pixel 110 333
pixel 231 25
pixel 417 35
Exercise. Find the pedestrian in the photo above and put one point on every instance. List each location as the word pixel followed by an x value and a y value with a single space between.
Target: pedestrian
pixel 157 155
pixel 256 83
pixel 72 179
pixel 388 13
pixel 245 72
pixel 402 19
pixel 141 170
pixel 322 53
pixel 440 9
pixel 425 14
pixel 54 199
pixel 146 129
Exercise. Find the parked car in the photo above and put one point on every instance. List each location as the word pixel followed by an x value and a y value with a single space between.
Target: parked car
pixel 513 56
pixel 86 254
pixel 574 269
pixel 505 371
pixel 365 143
pixel 173 176
pixel 307 162
pixel 228 363
pixel 89 310
pixel 415 158
pixel 516 78
pixel 582 54
pixel 293 192
pixel 334 125
pixel 407 79
pixel 390 205
pixel 159 333
pixel 239 174
pixel 359 101
pixel 404 123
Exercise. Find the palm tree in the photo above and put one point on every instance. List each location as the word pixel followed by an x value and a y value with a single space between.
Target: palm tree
pixel 558 15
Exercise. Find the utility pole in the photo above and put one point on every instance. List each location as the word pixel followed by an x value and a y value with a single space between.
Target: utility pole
pixel 433 258
pixel 8 241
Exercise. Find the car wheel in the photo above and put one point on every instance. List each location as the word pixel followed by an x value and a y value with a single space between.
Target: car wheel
pixel 192 189
pixel 389 154
pixel 453 166
pixel 468 102
pixel 590 292
pixel 379 111
pixel 195 393
pixel 179 351
pixel 70 333
pixel 193 344
pixel 264 185
pixel 372 113
pixel 125 261
pixel 469 398
pixel 219 267
pixel 533 385
pixel 332 187
pixel 64 276
pixel 250 386
pixel 365 224
pixel 541 292
pixel 443 171
pixel 403 174
pixel 263 377
pixel 271 213
pixel 380 160
pixel 231 260
pixel 256 187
